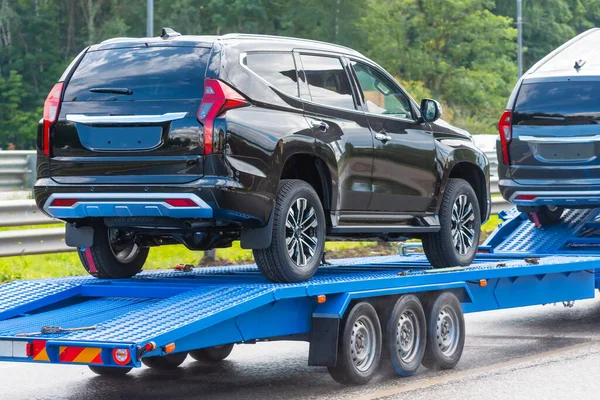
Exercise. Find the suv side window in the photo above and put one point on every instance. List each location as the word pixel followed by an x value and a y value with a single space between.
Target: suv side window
pixel 278 69
pixel 327 81
pixel 380 94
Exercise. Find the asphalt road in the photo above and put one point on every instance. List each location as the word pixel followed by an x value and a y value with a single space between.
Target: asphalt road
pixel 529 353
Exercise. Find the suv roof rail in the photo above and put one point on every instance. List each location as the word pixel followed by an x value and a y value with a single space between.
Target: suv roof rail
pixel 257 36
pixel 118 39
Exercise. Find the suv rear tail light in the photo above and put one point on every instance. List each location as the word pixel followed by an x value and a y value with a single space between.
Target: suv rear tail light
pixel 505 129
pixel 51 108
pixel 218 98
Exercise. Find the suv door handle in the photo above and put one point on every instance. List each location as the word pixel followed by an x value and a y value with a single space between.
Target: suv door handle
pixel 323 126
pixel 382 137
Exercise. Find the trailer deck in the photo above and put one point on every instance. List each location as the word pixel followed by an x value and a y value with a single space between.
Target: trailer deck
pixel 162 312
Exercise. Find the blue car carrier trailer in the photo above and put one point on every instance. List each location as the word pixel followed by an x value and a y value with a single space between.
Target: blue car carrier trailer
pixel 352 313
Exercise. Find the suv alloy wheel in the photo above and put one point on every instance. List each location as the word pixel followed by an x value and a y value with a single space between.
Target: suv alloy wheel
pixel 458 238
pixel 298 237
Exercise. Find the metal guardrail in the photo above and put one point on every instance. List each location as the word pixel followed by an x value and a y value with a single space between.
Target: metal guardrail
pixel 17 169
pixel 52 240
pixel 487 143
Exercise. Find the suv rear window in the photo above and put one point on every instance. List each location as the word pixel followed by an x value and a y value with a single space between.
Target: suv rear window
pixel 546 100
pixel 151 73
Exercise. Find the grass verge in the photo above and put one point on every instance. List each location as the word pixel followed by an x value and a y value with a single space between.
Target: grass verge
pixel 165 257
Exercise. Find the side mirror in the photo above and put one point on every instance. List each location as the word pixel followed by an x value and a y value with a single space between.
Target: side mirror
pixel 431 110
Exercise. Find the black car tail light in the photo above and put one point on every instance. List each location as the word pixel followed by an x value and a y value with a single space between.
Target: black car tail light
pixel 51 108
pixel 505 129
pixel 218 98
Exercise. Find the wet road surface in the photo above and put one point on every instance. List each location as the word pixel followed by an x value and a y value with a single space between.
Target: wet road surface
pixel 527 353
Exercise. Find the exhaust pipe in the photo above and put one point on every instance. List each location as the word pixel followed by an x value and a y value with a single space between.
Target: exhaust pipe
pixel 196 224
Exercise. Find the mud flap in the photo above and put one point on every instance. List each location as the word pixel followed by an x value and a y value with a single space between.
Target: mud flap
pixel 323 339
pixel 79 237
pixel 259 238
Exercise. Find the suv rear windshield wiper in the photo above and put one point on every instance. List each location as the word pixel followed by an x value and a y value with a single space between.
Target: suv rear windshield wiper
pixel 112 90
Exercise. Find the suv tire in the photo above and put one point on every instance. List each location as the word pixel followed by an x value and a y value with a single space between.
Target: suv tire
pixel 460 222
pixel 547 215
pixel 112 259
pixel 294 255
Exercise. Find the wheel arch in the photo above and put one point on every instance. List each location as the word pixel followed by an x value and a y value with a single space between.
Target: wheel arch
pixel 477 175
pixel 305 165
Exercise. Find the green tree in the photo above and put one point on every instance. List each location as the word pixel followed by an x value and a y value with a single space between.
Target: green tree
pixel 18 126
pixel 458 49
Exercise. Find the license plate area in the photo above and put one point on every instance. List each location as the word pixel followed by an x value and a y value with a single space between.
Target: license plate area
pixel 132 138
pixel 564 152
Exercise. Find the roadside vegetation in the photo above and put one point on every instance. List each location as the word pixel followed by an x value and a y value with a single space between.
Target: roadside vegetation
pixel 461 52
pixel 166 257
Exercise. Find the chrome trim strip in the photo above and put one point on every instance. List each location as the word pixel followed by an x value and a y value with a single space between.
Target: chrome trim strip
pixel 556 139
pixel 125 119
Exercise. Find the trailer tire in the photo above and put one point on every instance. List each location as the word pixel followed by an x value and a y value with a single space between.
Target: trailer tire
pixel 441 248
pixel 445 332
pixel 214 354
pixel 359 347
pixel 170 361
pixel 109 371
pixel 275 262
pixel 406 335
pixel 111 259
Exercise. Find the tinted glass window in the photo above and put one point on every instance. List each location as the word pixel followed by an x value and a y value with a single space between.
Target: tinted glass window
pixel 541 103
pixel 151 73
pixel 276 68
pixel 327 81
pixel 380 94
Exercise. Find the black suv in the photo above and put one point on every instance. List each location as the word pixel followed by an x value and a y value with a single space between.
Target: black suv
pixel 281 143
pixel 550 134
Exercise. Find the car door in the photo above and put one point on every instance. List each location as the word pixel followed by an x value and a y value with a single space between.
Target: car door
pixel 404 175
pixel 331 110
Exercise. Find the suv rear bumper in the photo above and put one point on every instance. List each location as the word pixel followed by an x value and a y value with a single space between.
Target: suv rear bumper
pixel 546 195
pixel 216 198
pixel 94 205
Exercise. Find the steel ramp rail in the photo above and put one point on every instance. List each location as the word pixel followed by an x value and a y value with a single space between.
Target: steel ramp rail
pixel 220 305
pixel 578 233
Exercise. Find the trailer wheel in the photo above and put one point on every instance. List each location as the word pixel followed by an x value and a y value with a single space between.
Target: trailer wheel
pixel 212 354
pixel 170 361
pixel 445 332
pixel 114 253
pixel 359 347
pixel 110 371
pixel 455 244
pixel 298 237
pixel 406 335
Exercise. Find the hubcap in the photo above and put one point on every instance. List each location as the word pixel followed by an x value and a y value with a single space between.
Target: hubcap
pixel 407 336
pixel 363 343
pixel 448 331
pixel 123 248
pixel 462 225
pixel 301 232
